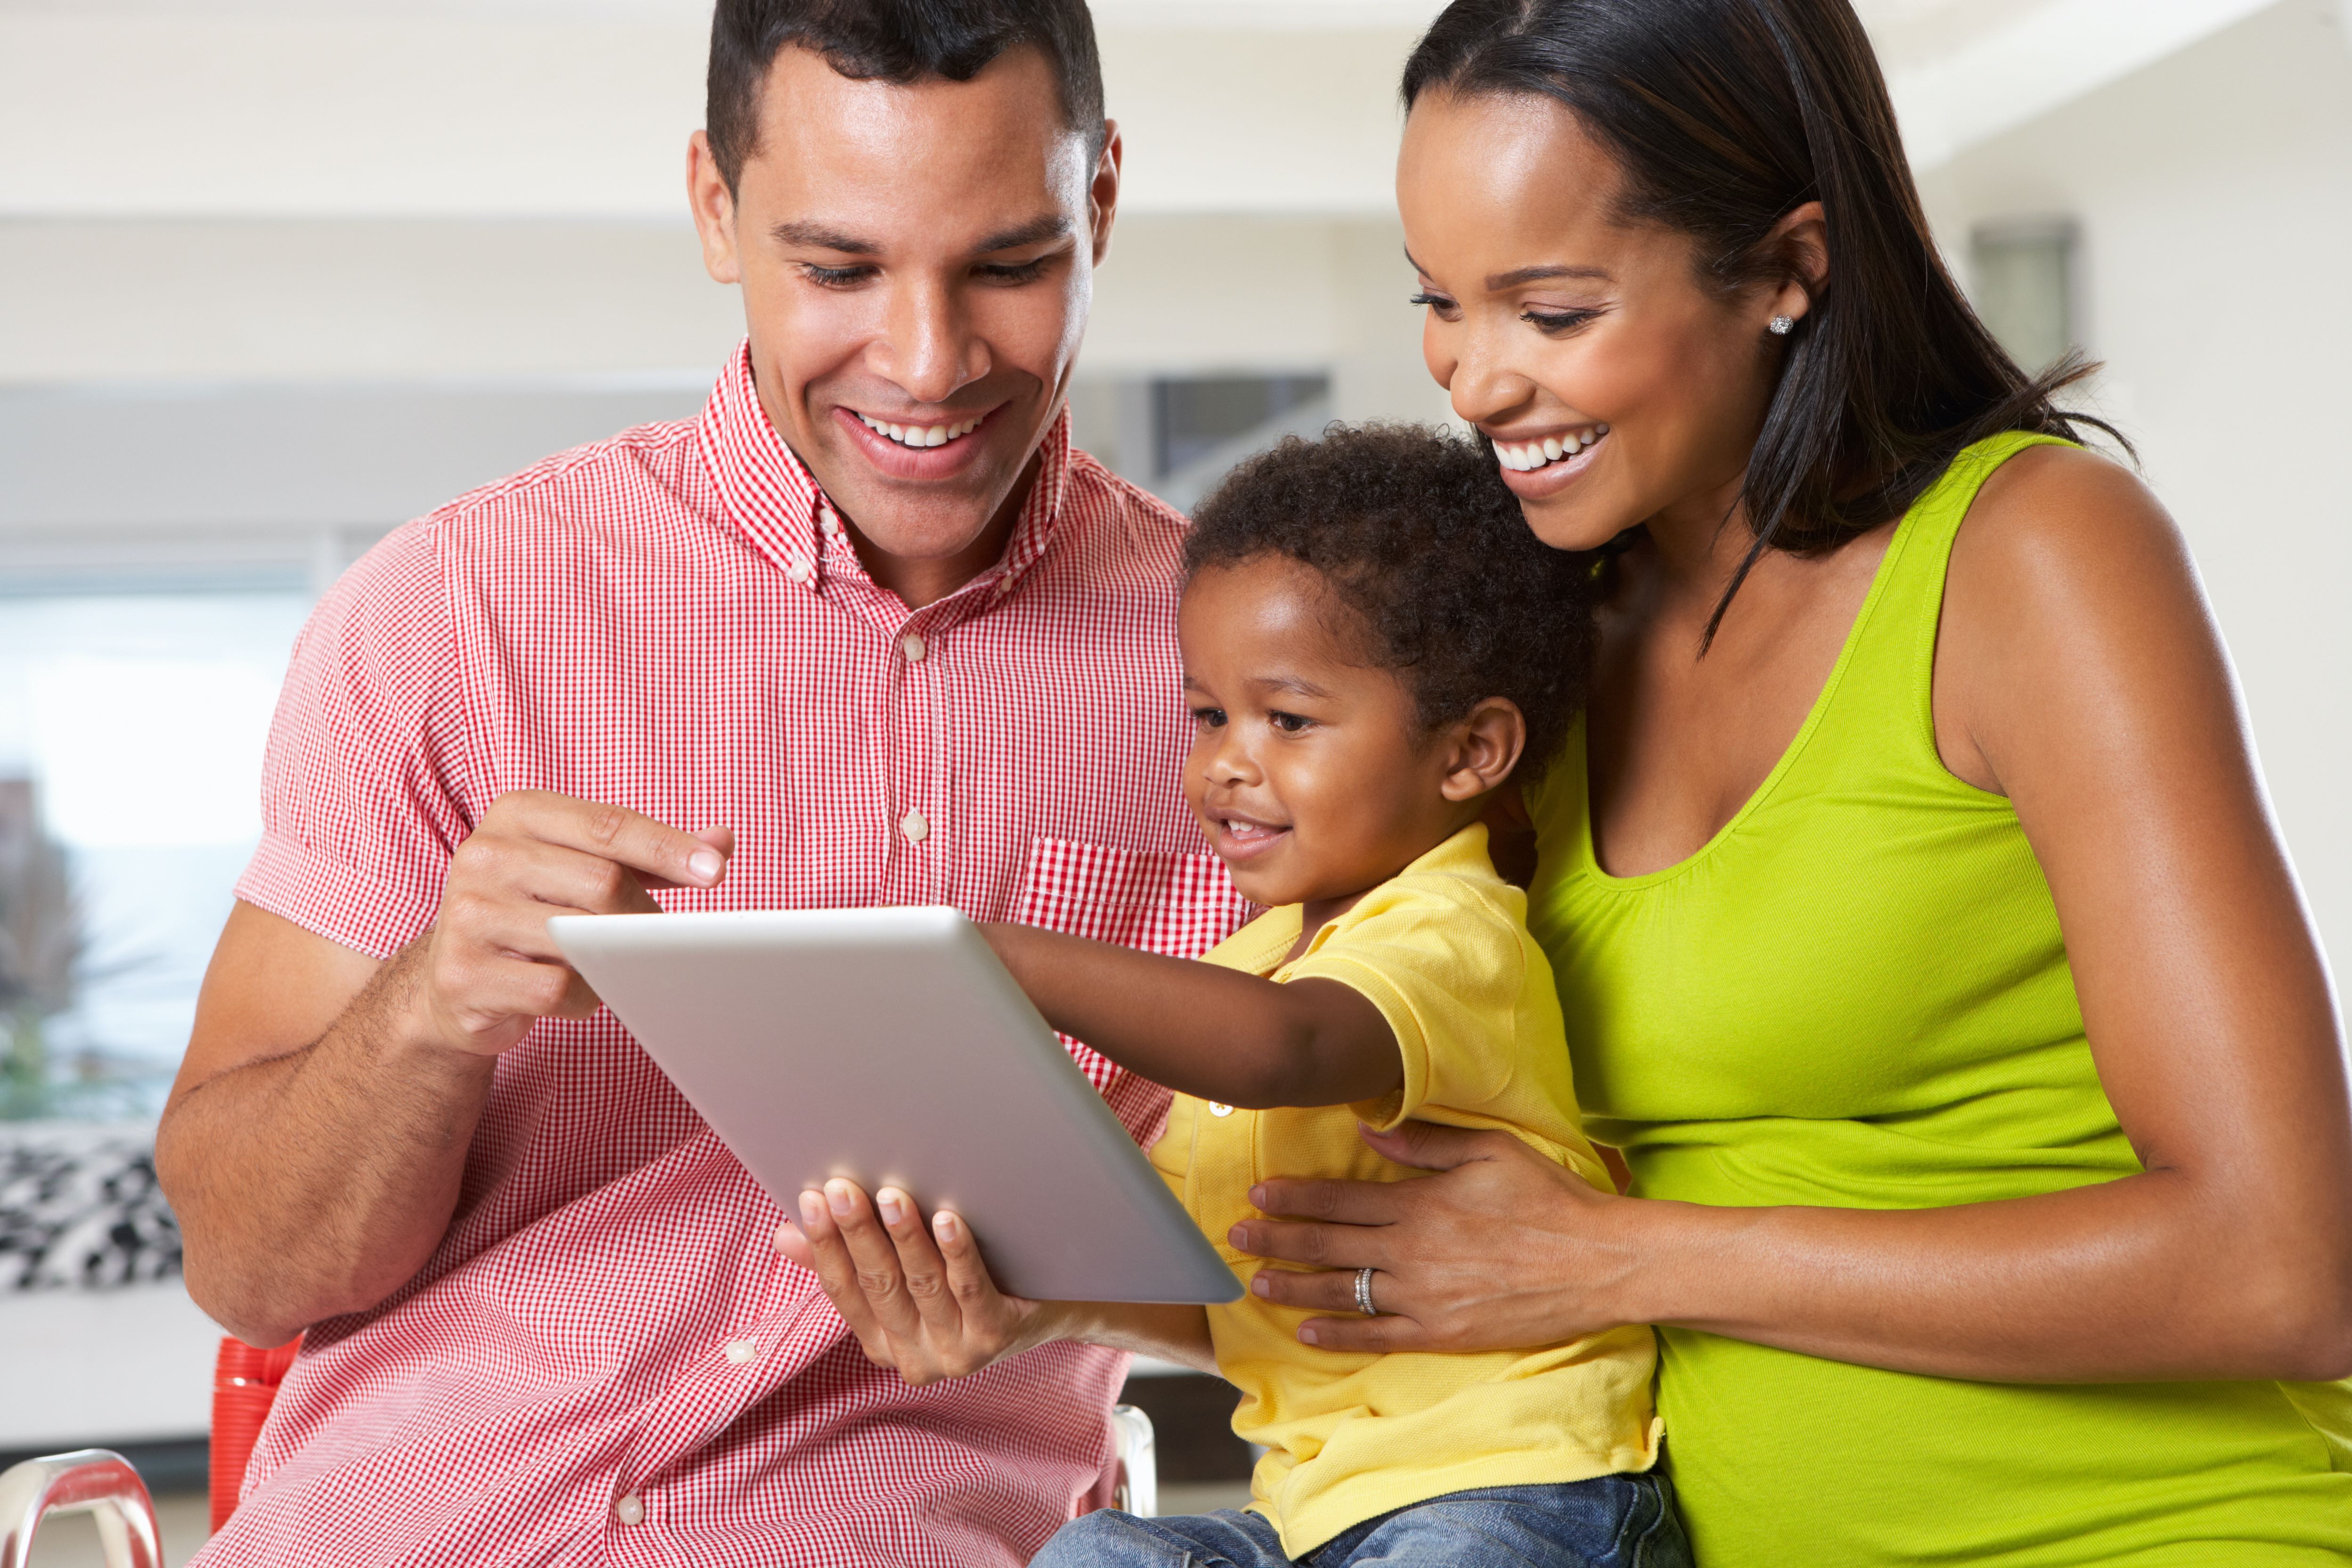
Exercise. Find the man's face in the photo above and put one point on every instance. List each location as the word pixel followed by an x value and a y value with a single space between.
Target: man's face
pixel 917 257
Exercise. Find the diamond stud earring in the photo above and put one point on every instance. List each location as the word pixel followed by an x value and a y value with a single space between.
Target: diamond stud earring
pixel 1781 326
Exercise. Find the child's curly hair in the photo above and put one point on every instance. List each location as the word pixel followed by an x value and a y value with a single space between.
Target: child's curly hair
pixel 1416 532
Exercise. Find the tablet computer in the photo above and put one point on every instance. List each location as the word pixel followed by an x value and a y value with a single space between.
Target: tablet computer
pixel 890 1046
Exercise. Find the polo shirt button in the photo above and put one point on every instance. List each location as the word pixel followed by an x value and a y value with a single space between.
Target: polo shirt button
pixel 915 827
pixel 629 1509
pixel 913 647
pixel 742 1352
pixel 1216 1110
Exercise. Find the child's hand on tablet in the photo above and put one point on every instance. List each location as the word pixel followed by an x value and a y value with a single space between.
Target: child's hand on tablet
pixel 918 1299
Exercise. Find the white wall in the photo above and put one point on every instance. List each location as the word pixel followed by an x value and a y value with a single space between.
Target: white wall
pixel 2215 194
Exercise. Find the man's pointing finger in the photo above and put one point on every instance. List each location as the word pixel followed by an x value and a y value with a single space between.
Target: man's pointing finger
pixel 616 833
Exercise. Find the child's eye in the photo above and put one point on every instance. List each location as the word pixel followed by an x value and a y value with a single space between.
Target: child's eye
pixel 1209 718
pixel 1289 723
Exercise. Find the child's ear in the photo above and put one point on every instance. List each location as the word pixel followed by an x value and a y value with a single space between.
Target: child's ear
pixel 1483 749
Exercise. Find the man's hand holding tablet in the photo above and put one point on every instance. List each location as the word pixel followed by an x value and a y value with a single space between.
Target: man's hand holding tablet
pixel 919 1299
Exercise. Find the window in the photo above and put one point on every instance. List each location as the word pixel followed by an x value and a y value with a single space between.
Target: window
pixel 131 730
pixel 2023 278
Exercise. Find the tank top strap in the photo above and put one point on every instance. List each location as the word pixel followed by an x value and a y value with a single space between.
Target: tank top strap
pixel 1885 686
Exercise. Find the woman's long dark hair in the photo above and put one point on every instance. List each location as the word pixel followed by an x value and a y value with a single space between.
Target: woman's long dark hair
pixel 1724 116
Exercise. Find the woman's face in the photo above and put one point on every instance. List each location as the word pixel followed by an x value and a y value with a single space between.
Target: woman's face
pixel 1614 385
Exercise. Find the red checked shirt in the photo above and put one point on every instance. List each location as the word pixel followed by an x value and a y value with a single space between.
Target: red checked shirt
pixel 607 1360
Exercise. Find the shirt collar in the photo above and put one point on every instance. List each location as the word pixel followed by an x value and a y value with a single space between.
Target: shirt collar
pixel 770 495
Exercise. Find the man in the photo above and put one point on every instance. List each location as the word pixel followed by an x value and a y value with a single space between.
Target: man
pixel 865 632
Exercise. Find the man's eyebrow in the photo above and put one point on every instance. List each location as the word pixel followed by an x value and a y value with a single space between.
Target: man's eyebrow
pixel 1050 225
pixel 817 237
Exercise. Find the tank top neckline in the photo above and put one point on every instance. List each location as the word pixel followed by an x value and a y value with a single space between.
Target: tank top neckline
pixel 1990 452
pixel 1589 856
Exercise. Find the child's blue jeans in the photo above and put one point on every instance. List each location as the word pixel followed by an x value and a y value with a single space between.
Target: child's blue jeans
pixel 1609 1521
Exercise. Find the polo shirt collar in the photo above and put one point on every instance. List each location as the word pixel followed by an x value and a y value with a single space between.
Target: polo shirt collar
pixel 770 494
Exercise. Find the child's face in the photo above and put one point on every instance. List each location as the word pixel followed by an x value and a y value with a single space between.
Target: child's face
pixel 1311 772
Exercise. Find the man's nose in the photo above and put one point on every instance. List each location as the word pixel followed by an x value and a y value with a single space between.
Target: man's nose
pixel 929 348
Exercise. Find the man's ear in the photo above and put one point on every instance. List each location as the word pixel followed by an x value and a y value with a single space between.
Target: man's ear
pixel 1483 749
pixel 714 211
pixel 1102 196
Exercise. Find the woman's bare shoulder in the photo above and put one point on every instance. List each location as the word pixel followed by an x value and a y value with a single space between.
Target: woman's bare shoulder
pixel 2059 531
pixel 2069 583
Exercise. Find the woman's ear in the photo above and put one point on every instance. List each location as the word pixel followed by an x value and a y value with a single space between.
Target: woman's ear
pixel 1483 749
pixel 1802 239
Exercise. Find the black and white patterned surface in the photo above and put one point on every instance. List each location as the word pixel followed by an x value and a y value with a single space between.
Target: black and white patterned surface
pixel 81 1210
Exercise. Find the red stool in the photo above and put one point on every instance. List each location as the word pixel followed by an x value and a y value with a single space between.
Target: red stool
pixel 245 1384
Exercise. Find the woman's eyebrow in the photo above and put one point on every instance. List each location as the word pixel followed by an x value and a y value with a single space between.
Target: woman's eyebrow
pixel 1500 280
pixel 1496 281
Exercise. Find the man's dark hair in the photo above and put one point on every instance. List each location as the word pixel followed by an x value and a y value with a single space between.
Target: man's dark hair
pixel 1415 533
pixel 898 41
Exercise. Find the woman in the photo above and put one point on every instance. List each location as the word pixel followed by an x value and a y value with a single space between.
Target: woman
pixel 1924 937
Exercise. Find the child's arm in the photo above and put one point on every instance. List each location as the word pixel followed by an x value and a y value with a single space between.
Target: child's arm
pixel 1210 1032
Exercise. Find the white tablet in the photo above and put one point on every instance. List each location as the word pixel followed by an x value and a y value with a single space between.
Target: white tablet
pixel 890 1046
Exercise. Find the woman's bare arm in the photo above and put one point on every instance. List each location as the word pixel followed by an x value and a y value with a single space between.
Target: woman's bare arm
pixel 1205 1029
pixel 2080 674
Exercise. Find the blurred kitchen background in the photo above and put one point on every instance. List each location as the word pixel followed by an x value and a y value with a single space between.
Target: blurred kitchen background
pixel 275 275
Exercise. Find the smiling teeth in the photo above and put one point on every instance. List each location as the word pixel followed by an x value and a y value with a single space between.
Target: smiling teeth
pixel 1530 456
pixel 919 435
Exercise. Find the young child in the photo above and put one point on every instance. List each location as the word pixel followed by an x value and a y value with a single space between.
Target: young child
pixel 1373 642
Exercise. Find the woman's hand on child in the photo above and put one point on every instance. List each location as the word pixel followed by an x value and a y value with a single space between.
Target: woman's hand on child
pixel 1503 1250
pixel 918 1299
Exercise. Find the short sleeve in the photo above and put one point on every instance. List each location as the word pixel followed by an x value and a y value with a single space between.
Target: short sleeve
pixel 1447 974
pixel 362 797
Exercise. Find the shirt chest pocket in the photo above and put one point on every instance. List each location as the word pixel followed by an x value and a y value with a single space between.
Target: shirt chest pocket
pixel 1179 905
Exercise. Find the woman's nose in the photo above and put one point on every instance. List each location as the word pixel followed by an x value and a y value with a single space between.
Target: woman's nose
pixel 1479 376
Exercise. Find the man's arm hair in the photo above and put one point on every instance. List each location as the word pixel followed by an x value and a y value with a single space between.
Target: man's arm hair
pixel 313 1161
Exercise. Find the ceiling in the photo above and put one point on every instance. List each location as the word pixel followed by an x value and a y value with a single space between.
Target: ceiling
pixel 580 109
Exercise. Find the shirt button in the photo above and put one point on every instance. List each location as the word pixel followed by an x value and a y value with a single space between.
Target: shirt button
pixel 629 1509
pixel 913 647
pixel 742 1352
pixel 800 572
pixel 915 827
pixel 830 524
pixel 1216 1110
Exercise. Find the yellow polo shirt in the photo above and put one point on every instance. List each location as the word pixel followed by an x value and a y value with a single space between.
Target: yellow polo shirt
pixel 1442 950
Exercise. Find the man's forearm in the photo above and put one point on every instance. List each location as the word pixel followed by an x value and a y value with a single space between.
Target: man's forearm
pixel 317 1182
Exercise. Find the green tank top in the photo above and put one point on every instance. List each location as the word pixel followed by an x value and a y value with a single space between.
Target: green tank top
pixel 1856 995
